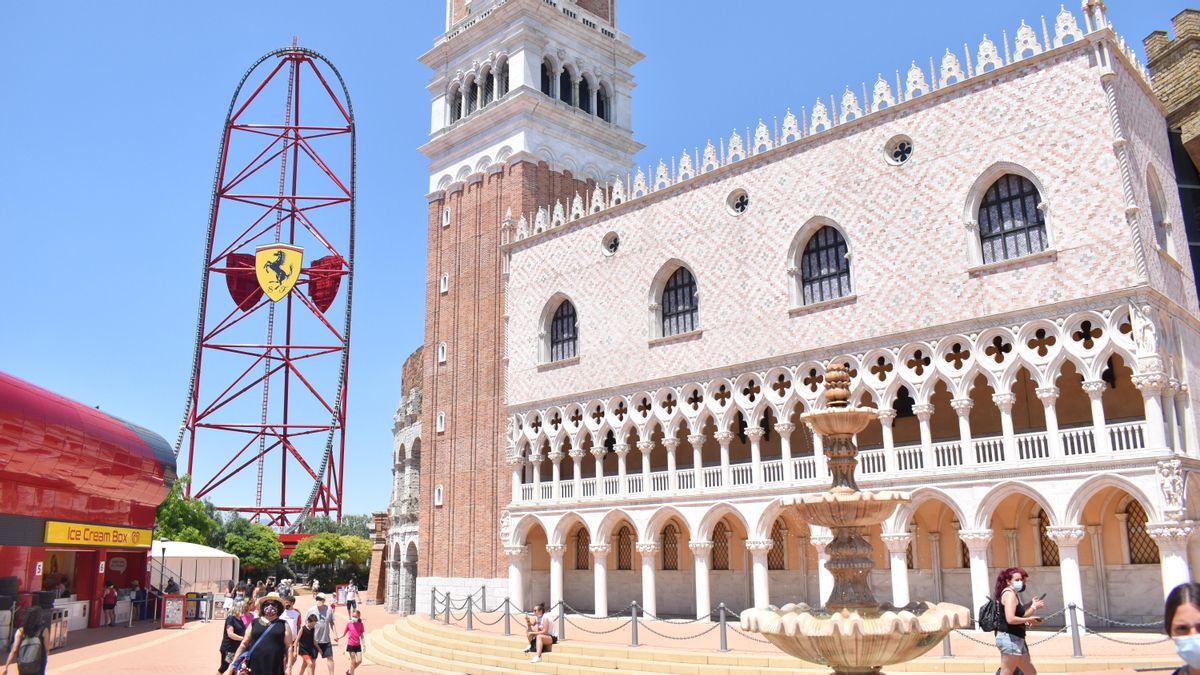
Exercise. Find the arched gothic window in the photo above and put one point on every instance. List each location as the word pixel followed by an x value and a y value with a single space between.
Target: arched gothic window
pixel 489 89
pixel 472 97
pixel 670 547
pixel 1010 223
pixel 585 95
pixel 582 550
pixel 1157 216
pixel 563 334
pixel 824 267
pixel 1049 548
pixel 680 306
pixel 456 106
pixel 565 89
pixel 546 75
pixel 720 549
pixel 624 548
pixel 502 81
pixel 602 108
pixel 1142 549
pixel 776 558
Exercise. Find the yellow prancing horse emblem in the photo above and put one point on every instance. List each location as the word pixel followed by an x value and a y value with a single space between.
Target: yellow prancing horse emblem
pixel 277 267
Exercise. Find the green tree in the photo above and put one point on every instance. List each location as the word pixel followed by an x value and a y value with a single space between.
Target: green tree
pixel 255 544
pixel 319 549
pixel 182 519
pixel 358 549
pixel 355 525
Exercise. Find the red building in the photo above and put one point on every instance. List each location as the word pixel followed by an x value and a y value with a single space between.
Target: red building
pixel 78 493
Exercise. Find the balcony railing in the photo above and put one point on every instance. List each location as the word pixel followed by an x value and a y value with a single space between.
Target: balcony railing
pixel 872 462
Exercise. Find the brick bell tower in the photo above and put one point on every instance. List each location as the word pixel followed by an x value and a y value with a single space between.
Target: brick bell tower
pixel 531 104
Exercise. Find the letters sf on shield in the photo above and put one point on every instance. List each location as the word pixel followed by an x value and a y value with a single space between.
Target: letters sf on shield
pixel 277 267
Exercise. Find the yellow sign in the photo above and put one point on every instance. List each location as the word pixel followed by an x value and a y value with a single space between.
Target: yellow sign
pixel 79 534
pixel 277 267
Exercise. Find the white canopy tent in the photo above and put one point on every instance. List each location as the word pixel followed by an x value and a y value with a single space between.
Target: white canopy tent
pixel 196 568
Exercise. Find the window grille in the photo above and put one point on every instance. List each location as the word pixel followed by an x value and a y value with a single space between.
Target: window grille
pixel 824 268
pixel 456 106
pixel 563 333
pixel 775 557
pixel 582 550
pixel 1142 549
pixel 1049 548
pixel 624 549
pixel 679 303
pixel 1010 223
pixel 910 560
pixel 670 548
pixel 602 105
pixel 502 83
pixel 585 95
pixel 489 89
pixel 564 87
pixel 545 78
pixel 472 97
pixel 720 549
pixel 965 553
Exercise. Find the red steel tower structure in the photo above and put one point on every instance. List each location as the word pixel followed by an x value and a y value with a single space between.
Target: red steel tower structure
pixel 267 397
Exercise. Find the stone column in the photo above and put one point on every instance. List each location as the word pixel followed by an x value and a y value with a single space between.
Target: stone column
pixel 622 450
pixel 600 577
pixel 577 457
pixel 517 462
pixel 724 438
pixel 1123 532
pixel 518 558
pixel 820 466
pixel 802 566
pixel 1168 406
pixel 697 443
pixel 785 429
pixel 1152 385
pixel 1035 526
pixel 592 98
pixel 648 550
pixel 824 576
pixel 759 548
pixel 700 551
pixel 1004 402
pixel 575 93
pixel 645 447
pixel 897 544
pixel 1010 536
pixel 598 452
pixel 924 411
pixel 671 444
pixel 555 458
pixel 1172 540
pixel 886 417
pixel 1095 391
pixel 1048 396
pixel 535 461
pixel 977 542
pixel 755 435
pixel 556 573
pixel 935 564
pixel 1099 568
pixel 1068 538
pixel 963 406
pixel 1187 442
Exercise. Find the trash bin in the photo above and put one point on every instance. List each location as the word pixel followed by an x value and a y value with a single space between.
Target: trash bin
pixel 191 606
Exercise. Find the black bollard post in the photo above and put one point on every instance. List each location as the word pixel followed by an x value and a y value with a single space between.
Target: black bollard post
pixel 562 620
pixel 1076 647
pixel 483 598
pixel 507 616
pixel 721 619
pixel 633 612
pixel 470 615
pixel 446 614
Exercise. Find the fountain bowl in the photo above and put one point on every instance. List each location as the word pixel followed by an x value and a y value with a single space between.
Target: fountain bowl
pixel 854 642
pixel 842 507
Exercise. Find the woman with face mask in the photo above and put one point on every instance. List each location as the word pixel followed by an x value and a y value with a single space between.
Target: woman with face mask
pixel 1182 621
pixel 1017 615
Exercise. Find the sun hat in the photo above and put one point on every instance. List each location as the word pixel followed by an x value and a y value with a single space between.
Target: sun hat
pixel 320 596
pixel 269 597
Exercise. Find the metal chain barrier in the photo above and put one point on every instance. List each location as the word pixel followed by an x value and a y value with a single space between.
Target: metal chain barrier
pixel 676 622
pixel 499 618
pixel 1123 624
pixel 600 632
pixel 748 636
pixel 1130 643
pixel 706 631
pixel 974 639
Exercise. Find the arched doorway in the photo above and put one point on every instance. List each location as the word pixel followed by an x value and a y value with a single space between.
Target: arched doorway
pixel 408 587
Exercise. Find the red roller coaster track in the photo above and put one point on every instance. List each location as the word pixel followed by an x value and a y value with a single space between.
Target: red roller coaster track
pixel 281 221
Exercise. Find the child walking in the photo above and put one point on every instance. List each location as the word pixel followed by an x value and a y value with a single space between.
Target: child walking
pixel 353 634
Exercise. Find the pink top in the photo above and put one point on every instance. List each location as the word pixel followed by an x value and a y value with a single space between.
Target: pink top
pixel 354 632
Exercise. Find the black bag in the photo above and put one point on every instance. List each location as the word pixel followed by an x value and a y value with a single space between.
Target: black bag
pixel 989 615
pixel 31 657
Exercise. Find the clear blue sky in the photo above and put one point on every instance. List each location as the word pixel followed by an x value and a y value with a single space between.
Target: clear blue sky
pixel 112 113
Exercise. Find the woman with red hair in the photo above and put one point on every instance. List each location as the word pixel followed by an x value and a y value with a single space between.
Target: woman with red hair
pixel 1017 615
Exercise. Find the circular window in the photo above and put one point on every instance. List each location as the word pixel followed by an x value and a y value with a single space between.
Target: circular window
pixel 898 150
pixel 611 243
pixel 738 202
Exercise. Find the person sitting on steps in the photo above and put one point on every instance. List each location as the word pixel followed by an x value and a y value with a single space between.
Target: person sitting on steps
pixel 541 632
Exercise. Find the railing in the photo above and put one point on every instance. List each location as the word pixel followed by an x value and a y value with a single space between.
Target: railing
pixel 988 450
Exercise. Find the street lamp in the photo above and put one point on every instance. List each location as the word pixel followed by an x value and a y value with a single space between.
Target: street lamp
pixel 161 569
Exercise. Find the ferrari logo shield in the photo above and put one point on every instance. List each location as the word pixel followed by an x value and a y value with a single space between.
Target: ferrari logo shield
pixel 277 267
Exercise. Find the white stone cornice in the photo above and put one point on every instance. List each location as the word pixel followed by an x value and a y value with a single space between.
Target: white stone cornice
pixel 516 551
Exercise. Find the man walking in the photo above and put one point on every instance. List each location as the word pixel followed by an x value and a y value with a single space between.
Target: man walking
pixel 351 600
pixel 324 631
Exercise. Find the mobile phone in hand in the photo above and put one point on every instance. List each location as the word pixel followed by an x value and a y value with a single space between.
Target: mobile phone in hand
pixel 1042 596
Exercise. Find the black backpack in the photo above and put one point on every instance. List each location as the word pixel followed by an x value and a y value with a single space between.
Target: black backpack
pixel 989 615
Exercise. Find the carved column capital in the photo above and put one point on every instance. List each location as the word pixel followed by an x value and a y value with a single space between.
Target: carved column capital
pixel 696 440
pixel 755 433
pixel 513 458
pixel 759 545
pixel 887 416
pixel 1151 384
pixel 577 454
pixel 556 550
pixel 599 550
pixel 724 437
pixel 516 551
pixel 647 548
pixel 1171 534
pixel 670 443
pixel 555 456
pixel 700 547
pixel 1004 401
pixel 976 540
pixel 1047 394
pixel 896 542
pixel 962 406
pixel 820 542
pixel 1095 388
pixel 785 427
pixel 1066 535
pixel 923 411
pixel 645 446
pixel 598 452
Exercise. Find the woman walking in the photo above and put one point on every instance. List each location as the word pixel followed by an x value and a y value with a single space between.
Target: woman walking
pixel 235 630
pixel 1182 620
pixel 267 642
pixel 1017 616
pixel 353 634
pixel 109 603
pixel 306 646
pixel 29 645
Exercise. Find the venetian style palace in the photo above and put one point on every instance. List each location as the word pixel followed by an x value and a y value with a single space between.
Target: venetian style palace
pixel 617 361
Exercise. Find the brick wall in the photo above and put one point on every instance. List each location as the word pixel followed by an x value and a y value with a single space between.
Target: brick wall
pixel 411 371
pixel 1175 65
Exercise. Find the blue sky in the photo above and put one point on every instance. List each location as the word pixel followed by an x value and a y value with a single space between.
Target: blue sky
pixel 109 130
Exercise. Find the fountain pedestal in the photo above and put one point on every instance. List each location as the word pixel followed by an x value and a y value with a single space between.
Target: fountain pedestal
pixel 852 633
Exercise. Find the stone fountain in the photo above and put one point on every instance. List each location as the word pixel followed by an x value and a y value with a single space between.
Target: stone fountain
pixel 852 633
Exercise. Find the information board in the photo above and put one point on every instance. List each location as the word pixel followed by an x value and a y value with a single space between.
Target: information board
pixel 172 611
